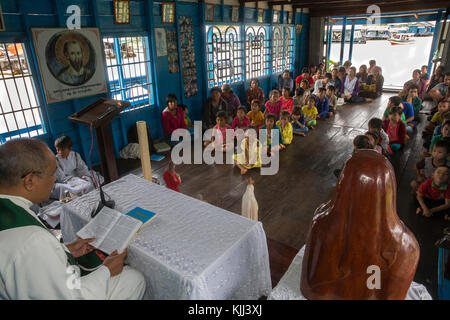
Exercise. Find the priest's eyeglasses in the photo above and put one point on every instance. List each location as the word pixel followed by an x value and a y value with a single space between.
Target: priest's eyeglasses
pixel 39 172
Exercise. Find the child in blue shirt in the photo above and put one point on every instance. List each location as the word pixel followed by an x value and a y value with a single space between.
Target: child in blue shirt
pixel 298 122
pixel 322 104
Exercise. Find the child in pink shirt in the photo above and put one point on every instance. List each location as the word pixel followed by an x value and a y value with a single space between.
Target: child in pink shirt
pixel 273 105
pixel 287 102
pixel 219 136
pixel 241 121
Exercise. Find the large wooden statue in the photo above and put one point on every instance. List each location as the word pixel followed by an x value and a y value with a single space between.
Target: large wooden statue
pixel 356 233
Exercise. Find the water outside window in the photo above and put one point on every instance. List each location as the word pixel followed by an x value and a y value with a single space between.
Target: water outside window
pixel 397 59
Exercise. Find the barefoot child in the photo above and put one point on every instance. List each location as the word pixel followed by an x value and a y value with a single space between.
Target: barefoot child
pixel 171 178
pixel 285 128
pixel 434 194
pixel 249 156
pixel 332 100
pixel 298 122
pixel 310 112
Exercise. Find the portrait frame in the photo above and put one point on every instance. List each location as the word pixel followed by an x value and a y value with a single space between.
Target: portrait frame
pixel 276 16
pixel 209 12
pixel 234 14
pixel 121 11
pixel 67 76
pixel 160 42
pixel 290 16
pixel 260 18
pixel 298 28
pixel 168 12
pixel 2 21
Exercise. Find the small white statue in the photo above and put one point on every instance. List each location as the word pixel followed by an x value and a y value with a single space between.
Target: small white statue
pixel 249 203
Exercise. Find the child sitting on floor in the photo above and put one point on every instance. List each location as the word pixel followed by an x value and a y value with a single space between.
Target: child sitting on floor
pixel 322 104
pixel 433 195
pixel 376 125
pixel 396 129
pixel 332 100
pixel 310 112
pixel 266 136
pixel 241 121
pixel 255 115
pixel 273 105
pixel 187 120
pixel 72 174
pixel 359 142
pixel 445 133
pixel 436 120
pixel 299 98
pixel 219 136
pixel 285 128
pixel 249 156
pixel 171 178
pixel 374 140
pixel 438 129
pixel 298 122
pixel 425 167
pixel 287 102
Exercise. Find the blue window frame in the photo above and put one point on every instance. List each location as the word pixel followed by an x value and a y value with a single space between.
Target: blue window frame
pixel 20 113
pixel 282 48
pixel 257 53
pixel 129 70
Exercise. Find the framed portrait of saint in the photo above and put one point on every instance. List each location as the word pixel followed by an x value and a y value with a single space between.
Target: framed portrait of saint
pixel 121 11
pixel 234 14
pixel 276 16
pixel 70 62
pixel 298 28
pixel 2 22
pixel 209 12
pixel 260 15
pixel 168 12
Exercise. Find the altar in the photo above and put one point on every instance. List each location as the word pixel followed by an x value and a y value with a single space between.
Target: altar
pixel 190 249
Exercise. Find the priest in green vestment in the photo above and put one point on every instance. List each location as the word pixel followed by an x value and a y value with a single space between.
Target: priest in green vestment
pixel 33 263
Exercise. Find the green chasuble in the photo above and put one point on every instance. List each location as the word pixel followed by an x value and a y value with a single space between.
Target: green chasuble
pixel 13 216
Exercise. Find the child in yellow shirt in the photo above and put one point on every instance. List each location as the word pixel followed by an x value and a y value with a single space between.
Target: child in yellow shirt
pixel 255 115
pixel 285 127
pixel 310 112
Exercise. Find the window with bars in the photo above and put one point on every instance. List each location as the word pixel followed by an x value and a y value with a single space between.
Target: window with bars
pixel 20 114
pixel 129 73
pixel 224 55
pixel 282 48
pixel 257 54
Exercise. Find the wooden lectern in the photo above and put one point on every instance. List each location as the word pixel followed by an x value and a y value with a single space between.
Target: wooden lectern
pixel 100 114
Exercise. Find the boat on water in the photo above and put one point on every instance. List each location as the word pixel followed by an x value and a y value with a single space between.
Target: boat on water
pixel 400 39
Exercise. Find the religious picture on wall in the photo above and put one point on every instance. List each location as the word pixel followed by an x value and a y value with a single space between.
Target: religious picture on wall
pixel 298 28
pixel 168 12
pixel 188 56
pixel 172 51
pixel 70 62
pixel 121 11
pixel 290 15
pixel 260 15
pixel 160 41
pixel 276 15
pixel 209 12
pixel 234 14
pixel 2 22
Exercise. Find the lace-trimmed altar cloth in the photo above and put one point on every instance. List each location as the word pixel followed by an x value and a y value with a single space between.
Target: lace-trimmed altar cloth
pixel 190 249
pixel 289 286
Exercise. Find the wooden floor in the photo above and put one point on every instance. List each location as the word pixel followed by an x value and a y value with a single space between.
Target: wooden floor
pixel 305 180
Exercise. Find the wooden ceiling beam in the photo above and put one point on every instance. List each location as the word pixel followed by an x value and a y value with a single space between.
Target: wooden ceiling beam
pixel 385 8
pixel 346 4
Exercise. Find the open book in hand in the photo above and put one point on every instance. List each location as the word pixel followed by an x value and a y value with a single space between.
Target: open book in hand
pixel 113 230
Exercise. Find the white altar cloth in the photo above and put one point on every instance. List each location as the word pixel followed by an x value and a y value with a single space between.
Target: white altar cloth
pixel 190 249
pixel 289 286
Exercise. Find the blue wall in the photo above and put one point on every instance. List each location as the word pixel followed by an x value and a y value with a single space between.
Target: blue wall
pixel 21 15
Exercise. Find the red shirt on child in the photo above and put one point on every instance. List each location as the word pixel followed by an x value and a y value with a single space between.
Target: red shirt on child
pixel 273 108
pixel 287 104
pixel 236 123
pixel 171 179
pixel 396 134
pixel 429 190
pixel 171 123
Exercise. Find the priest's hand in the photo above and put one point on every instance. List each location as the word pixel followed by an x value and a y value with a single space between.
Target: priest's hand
pixel 80 247
pixel 115 262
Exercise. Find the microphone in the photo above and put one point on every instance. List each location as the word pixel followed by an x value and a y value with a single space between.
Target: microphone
pixel 103 203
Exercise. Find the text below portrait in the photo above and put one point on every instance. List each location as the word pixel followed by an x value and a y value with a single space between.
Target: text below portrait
pixel 70 62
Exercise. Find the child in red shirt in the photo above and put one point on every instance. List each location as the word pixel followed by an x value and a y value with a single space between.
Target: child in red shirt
pixel 395 129
pixel 172 117
pixel 171 178
pixel 241 121
pixel 434 194
pixel 273 105
pixel 287 102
